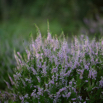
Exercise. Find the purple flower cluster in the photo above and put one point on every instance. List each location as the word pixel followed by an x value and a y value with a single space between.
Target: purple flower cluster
pixel 53 71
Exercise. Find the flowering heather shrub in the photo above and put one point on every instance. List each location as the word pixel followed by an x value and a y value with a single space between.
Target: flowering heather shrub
pixel 51 71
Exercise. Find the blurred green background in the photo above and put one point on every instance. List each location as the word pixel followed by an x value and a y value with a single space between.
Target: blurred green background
pixel 17 18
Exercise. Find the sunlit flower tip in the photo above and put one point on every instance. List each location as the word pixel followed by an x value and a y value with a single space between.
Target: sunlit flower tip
pixel 28 80
pixel 92 74
pixel 23 82
pixel 62 89
pixel 54 70
pixel 16 77
pixel 28 54
pixel 33 93
pixel 21 98
pixel 49 35
pixel 102 42
pixel 80 97
pixel 68 95
pixel 70 83
pixel 86 80
pixel 82 35
pixel 101 83
pixel 33 70
pixel 19 55
pixel 73 99
pixel 51 82
pixel 86 67
pixel 16 57
pixel 8 85
pixel 38 78
pixel 40 91
pixel 12 82
pixel 26 96
pixel 14 97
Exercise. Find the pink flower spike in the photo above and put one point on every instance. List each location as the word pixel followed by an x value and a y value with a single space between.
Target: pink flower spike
pixel 102 42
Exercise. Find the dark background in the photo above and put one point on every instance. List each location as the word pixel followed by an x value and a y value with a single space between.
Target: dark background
pixel 69 14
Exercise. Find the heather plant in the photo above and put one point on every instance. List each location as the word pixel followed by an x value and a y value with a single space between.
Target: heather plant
pixel 52 71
